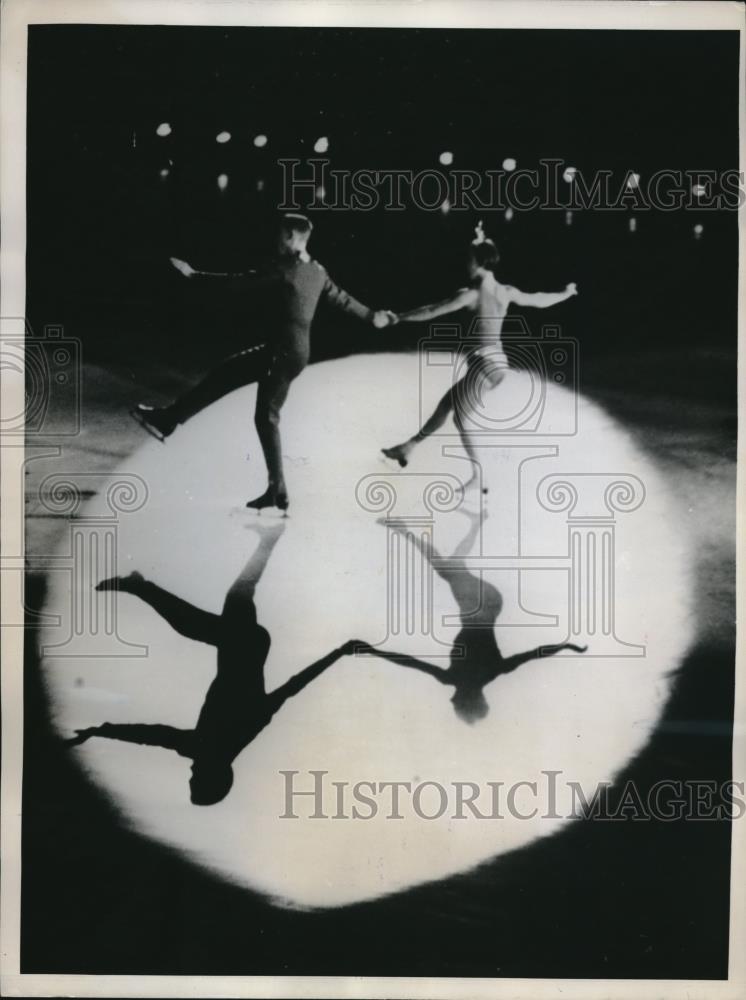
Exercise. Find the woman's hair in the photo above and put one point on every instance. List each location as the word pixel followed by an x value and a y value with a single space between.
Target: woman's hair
pixel 470 704
pixel 485 253
pixel 294 222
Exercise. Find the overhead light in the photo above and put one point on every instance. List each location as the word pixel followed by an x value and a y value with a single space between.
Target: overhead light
pixel 222 137
pixel 260 140
pixel 446 158
pixel 509 164
pixel 569 174
pixel 163 130
pixel 321 145
pixel 223 181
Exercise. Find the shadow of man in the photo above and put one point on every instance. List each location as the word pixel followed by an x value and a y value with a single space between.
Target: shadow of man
pixel 237 706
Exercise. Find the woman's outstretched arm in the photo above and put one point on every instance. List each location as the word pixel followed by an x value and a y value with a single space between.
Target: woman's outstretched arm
pixel 540 300
pixel 404 660
pixel 464 297
pixel 513 662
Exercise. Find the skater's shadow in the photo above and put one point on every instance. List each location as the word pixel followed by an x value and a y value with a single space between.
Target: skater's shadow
pixel 237 706
pixel 476 659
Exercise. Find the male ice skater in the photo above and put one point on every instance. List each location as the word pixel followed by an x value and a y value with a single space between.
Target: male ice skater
pixel 300 283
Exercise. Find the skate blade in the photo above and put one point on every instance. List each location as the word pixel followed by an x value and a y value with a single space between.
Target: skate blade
pixel 140 419
pixel 389 462
pixel 270 509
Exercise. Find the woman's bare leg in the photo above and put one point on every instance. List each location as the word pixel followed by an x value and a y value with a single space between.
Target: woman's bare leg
pixel 476 598
pixel 463 409
pixel 400 452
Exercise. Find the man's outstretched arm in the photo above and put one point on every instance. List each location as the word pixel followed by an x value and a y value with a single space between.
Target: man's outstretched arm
pixel 541 300
pixel 189 272
pixel 168 737
pixel 304 677
pixel 341 299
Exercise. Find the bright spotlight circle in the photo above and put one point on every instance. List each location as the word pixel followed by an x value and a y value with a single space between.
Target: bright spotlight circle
pixel 367 717
pixel 163 130
pixel 446 159
pixel 509 163
pixel 321 145
pixel 222 137
pixel 260 141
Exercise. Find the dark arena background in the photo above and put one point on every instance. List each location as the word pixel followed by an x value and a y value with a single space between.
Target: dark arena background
pixel 110 199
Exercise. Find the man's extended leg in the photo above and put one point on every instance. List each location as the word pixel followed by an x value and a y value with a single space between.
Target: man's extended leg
pixel 239 601
pixel 185 618
pixel 271 395
pixel 238 370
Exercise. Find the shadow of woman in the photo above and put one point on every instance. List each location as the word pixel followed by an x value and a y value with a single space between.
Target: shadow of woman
pixel 476 659
pixel 237 706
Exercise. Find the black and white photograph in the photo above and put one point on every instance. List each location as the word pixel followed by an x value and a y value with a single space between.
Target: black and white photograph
pixel 369 499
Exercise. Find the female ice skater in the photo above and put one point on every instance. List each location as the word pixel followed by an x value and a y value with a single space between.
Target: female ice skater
pixel 476 660
pixel 486 300
pixel 237 707
pixel 301 283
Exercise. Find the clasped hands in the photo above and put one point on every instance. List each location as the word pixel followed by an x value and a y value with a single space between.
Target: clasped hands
pixel 384 317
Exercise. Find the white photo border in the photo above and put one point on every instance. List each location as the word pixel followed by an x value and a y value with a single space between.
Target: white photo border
pixel 17 15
